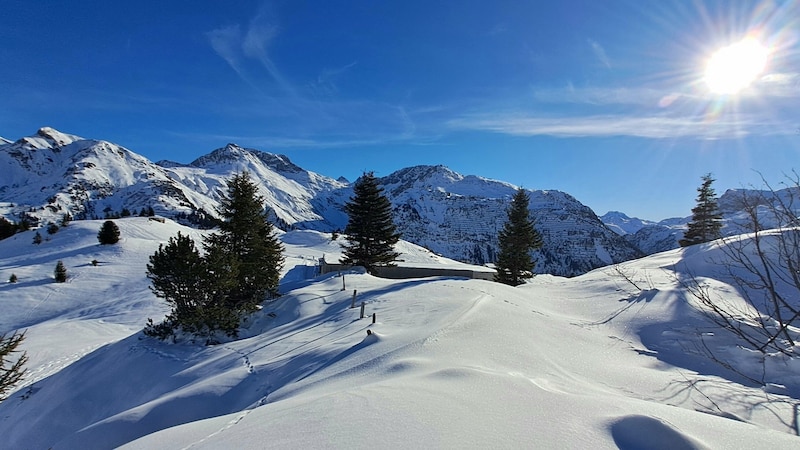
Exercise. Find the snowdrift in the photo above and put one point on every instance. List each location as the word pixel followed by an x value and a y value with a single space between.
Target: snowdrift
pixel 587 362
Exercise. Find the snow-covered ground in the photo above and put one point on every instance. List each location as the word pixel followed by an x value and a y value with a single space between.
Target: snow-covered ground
pixel 587 362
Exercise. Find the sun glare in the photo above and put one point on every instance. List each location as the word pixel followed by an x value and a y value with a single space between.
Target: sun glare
pixel 735 67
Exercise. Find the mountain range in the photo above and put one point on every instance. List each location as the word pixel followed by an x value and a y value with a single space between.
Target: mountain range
pixel 52 173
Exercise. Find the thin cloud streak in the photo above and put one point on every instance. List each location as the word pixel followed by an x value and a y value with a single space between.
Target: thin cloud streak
pixel 600 53
pixel 652 127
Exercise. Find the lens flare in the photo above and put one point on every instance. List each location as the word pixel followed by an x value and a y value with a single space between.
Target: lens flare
pixel 735 67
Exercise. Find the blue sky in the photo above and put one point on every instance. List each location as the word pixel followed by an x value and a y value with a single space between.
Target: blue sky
pixel 603 100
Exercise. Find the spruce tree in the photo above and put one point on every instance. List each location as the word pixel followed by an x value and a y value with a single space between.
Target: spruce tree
pixel 37 238
pixel 517 240
pixel 7 229
pixel 10 373
pixel 370 233
pixel 246 235
pixel 60 272
pixel 706 220
pixel 109 233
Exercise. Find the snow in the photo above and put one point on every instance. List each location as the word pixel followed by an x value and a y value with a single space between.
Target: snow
pixel 586 362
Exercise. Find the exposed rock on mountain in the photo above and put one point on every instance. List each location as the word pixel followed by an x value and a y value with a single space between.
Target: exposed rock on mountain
pixel 458 216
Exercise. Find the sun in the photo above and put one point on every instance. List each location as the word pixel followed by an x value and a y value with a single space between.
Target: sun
pixel 736 66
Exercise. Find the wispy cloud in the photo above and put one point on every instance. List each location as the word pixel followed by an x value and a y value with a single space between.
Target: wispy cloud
pixel 653 126
pixel 785 85
pixel 600 95
pixel 236 45
pixel 600 53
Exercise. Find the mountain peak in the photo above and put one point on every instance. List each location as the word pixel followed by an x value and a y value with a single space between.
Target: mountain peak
pixel 234 153
pixel 56 137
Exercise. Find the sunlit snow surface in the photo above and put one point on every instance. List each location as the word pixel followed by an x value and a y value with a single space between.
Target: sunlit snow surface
pixel 588 362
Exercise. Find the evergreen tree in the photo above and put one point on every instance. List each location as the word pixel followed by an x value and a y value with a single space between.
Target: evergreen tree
pixel 517 239
pixel 52 228
pixel 10 373
pixel 706 220
pixel 370 232
pixel 178 275
pixel 12 278
pixel 7 229
pixel 60 272
pixel 109 233
pixel 66 219
pixel 37 238
pixel 249 237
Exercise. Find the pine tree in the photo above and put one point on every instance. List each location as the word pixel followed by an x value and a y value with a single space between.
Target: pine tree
pixel 12 278
pixel 66 219
pixel 247 235
pixel 179 275
pixel 60 272
pixel 370 233
pixel 37 238
pixel 7 229
pixel 52 228
pixel 517 240
pixel 706 220
pixel 10 373
pixel 109 233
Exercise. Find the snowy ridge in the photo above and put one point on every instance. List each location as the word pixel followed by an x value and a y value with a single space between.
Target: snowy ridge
pixel 460 216
pixel 586 362
pixel 52 173
pixel 455 215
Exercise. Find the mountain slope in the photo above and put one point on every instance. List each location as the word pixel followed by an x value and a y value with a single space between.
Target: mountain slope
pixel 53 173
pixel 653 238
pixel 460 216
pixel 457 216
pixel 558 363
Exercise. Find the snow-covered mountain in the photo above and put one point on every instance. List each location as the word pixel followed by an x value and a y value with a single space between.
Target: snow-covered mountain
pixel 655 237
pixel 621 224
pixel 460 216
pixel 457 216
pixel 52 173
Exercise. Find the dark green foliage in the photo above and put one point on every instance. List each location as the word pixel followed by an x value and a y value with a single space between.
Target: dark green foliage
pixel 517 240
pixel 7 229
pixel 706 217
pixel 125 212
pixel 109 233
pixel 370 233
pixel 10 373
pixel 178 275
pixel 37 238
pixel 240 268
pixel 52 228
pixel 12 278
pixel 60 272
pixel 66 219
pixel 246 234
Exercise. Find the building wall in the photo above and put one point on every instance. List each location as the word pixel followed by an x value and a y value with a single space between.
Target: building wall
pixel 397 273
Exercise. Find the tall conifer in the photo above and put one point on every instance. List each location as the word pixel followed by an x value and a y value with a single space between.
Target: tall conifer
pixel 246 235
pixel 517 240
pixel 706 217
pixel 370 233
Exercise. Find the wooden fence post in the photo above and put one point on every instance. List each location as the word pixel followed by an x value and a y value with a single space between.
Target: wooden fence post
pixel 374 316
pixel 362 310
pixel 353 302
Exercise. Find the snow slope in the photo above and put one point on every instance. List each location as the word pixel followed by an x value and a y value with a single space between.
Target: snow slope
pixel 587 362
